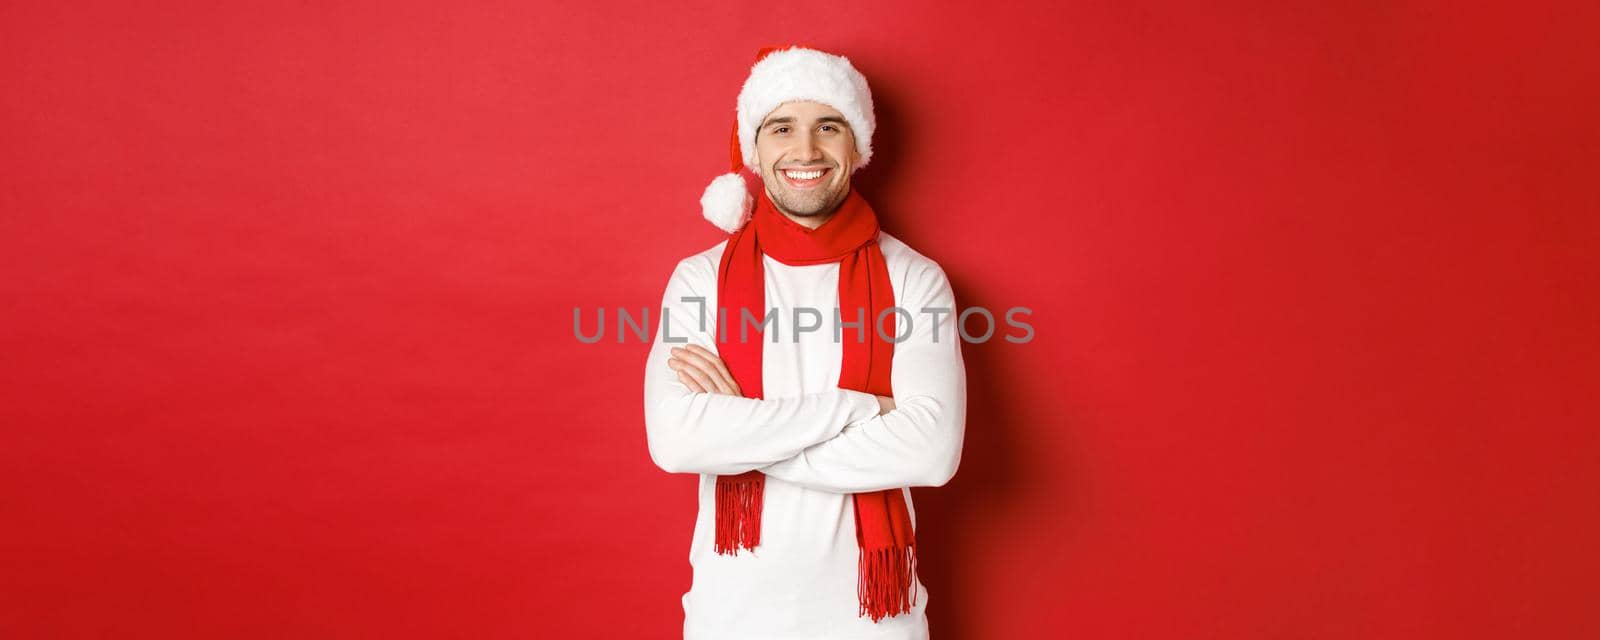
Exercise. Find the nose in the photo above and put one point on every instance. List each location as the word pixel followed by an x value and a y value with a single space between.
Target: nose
pixel 807 148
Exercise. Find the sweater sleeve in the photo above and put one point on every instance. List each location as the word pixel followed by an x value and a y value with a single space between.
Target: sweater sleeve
pixel 918 444
pixel 720 434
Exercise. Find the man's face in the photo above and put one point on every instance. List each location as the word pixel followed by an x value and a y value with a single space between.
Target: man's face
pixel 797 141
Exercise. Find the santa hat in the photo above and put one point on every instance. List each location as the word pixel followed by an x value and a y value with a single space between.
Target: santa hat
pixel 785 74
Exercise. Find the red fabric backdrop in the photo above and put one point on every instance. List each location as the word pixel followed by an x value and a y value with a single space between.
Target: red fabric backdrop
pixel 288 289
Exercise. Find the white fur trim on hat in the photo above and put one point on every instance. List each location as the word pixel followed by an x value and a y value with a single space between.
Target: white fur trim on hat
pixel 798 73
pixel 726 202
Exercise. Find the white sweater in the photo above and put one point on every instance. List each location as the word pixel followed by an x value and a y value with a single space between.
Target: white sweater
pixel 817 444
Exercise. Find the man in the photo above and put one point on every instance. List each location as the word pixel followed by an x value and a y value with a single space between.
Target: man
pixel 806 433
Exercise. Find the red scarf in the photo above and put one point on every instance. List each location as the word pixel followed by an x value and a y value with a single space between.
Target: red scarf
pixel 886 582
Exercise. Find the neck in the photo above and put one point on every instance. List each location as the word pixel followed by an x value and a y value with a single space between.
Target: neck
pixel 809 222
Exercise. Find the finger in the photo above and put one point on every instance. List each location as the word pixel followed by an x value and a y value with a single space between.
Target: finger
pixel 685 376
pixel 717 367
pixel 684 365
pixel 705 365
pixel 690 383
pixel 721 366
pixel 711 365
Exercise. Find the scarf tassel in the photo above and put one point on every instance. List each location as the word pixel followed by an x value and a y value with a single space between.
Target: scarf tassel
pixel 886 582
pixel 738 513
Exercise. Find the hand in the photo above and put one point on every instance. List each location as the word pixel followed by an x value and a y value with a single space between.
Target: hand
pixel 885 404
pixel 702 371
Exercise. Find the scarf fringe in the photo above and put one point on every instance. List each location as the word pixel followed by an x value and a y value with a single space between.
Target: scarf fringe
pixel 738 513
pixel 886 581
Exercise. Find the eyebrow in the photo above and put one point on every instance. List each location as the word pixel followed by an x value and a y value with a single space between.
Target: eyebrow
pixel 791 120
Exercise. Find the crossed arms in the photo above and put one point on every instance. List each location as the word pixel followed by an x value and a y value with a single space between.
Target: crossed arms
pixel 838 440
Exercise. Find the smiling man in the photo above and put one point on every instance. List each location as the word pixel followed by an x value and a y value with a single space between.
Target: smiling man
pixel 814 176
pixel 806 436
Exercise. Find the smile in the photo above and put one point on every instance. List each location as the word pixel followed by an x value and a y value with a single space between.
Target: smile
pixel 804 178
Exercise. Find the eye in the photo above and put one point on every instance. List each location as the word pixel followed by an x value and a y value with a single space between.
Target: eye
pixel 780 130
pixel 830 127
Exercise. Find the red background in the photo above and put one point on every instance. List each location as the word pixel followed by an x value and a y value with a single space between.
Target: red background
pixel 288 293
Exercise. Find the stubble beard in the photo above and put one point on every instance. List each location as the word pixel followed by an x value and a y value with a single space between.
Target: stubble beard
pixel 814 202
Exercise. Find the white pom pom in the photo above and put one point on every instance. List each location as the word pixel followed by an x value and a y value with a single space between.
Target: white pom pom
pixel 726 203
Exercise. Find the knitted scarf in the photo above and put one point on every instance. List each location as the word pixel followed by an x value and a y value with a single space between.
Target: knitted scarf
pixel 886 579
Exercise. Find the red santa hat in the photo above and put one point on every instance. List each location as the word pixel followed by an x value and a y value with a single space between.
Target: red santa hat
pixel 785 74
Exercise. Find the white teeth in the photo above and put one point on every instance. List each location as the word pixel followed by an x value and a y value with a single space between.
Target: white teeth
pixel 804 175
